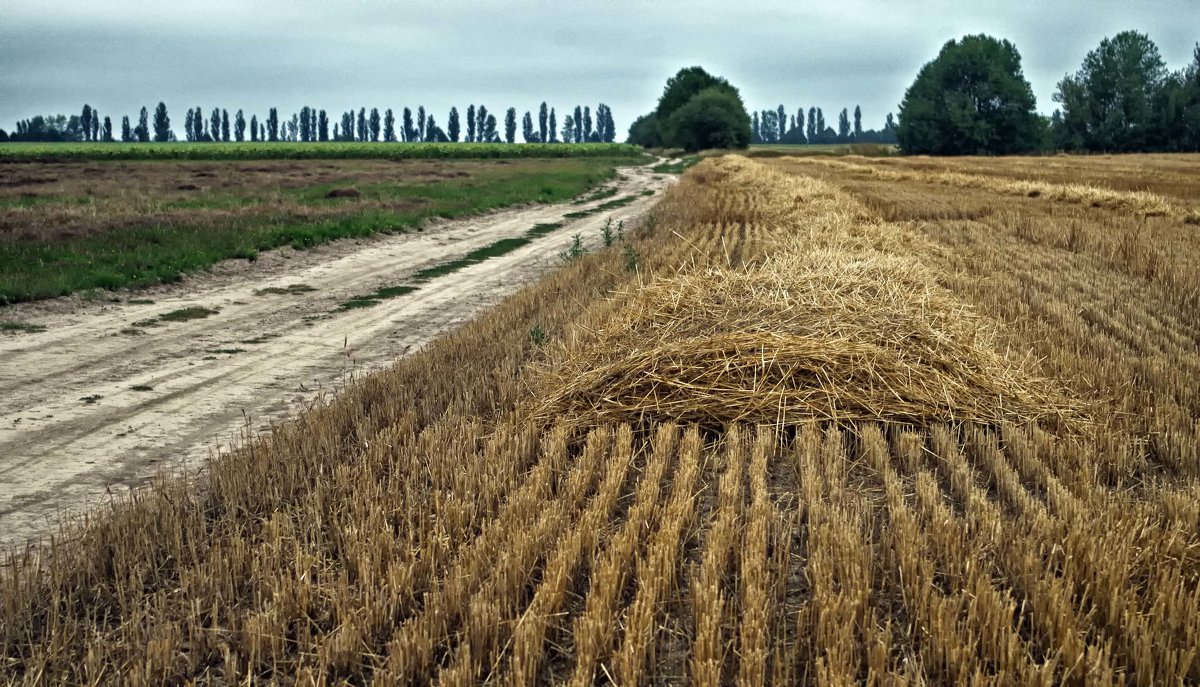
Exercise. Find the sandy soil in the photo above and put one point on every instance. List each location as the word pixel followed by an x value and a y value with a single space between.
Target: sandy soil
pixel 74 430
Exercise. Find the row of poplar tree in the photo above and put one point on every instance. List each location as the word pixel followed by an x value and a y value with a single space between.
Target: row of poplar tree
pixel 313 125
pixel 775 126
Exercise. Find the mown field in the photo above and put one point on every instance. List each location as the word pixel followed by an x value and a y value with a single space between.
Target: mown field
pixel 68 226
pixel 27 152
pixel 815 421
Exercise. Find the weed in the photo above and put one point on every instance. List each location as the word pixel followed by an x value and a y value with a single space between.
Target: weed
pixel 575 251
pixel 141 387
pixel 631 258
pixel 359 302
pixel 537 335
pixel 607 234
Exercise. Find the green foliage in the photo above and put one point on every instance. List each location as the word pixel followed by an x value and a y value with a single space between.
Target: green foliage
pixel 21 152
pixel 644 131
pixel 631 258
pixel 575 251
pixel 607 234
pixel 1110 103
pixel 714 118
pixel 972 99
pixel 537 335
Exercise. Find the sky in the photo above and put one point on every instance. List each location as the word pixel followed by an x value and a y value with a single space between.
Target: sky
pixel 337 54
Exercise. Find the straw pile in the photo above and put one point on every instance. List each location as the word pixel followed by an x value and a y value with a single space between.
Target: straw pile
pixel 807 336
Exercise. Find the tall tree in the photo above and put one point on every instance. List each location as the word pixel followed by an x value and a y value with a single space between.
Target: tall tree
pixel 96 125
pixel 254 137
pixel 821 123
pixel 189 123
pixel 126 131
pixel 362 124
pixel 239 126
pixel 85 119
pixel 755 129
pixel 1109 104
pixel 374 123
pixel 971 99
pixel 421 123
pixel 108 129
pixel 510 125
pixel 143 127
pixel 272 125
pixel 225 125
pixel 553 127
pixel 812 125
pixel 858 130
pixel 713 118
pixel 197 124
pixel 579 125
pixel 470 123
pixel 844 125
pixel 162 124
pixel 782 118
pixel 389 126
pixel 214 125
pixel 799 127
pixel 306 123
pixel 527 129
pixel 489 129
pixel 568 129
pixel 431 130
pixel 543 122
pixel 452 125
pixel 587 124
pixel 409 131
pixel 481 115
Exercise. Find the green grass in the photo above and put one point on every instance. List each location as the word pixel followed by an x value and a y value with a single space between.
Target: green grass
pixel 473 258
pixel 24 327
pixel 141 387
pixel 185 314
pixel 540 230
pixel 142 256
pixel 598 195
pixel 677 167
pixel 373 299
pixel 229 351
pixel 289 290
pixel 309 151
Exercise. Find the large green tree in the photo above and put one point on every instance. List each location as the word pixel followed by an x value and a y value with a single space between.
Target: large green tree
pixel 972 99
pixel 1109 104
pixel 713 118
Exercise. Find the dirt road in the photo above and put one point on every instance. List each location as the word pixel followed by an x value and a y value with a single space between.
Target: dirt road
pixel 90 407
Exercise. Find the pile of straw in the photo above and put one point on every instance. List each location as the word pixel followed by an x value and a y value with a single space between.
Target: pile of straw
pixel 814 335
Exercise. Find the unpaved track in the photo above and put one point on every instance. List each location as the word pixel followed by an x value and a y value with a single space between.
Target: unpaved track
pixel 60 454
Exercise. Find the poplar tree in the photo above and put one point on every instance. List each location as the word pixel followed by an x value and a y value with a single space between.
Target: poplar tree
pixel 239 126
pixel 543 117
pixel 858 130
pixel 782 114
pixel 374 124
pixel 421 123
pixel 254 128
pixel 85 119
pixel 407 129
pixel 126 132
pixel 470 124
pixel 452 129
pixel 108 130
pixel 225 125
pixel 389 126
pixel 553 127
pixel 510 125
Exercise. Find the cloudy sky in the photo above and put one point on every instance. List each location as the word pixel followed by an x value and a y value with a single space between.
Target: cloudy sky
pixel 337 54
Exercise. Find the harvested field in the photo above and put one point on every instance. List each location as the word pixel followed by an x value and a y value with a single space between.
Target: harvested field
pixel 693 474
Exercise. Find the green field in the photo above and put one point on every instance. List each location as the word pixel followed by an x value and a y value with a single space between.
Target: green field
pixel 308 151
pixel 823 149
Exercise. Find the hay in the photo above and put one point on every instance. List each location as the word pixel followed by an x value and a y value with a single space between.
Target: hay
pixel 813 335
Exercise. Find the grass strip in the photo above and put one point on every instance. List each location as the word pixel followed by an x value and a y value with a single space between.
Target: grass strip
pixel 36 152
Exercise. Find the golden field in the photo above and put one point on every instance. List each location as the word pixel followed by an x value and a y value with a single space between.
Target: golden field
pixel 815 421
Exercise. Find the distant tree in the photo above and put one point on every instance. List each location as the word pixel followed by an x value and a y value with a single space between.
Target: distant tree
pixel 431 130
pixel 782 118
pixel 821 128
pixel 409 131
pixel 587 124
pixel 189 130
pixel 214 126
pixel 421 123
pixel 1178 108
pixel 337 134
pixel 799 128
pixel 568 129
pixel 553 127
pixel 858 130
pixel 811 131
pixel 96 124
pixel 452 125
pixel 254 128
pixel 162 124
pixel 605 126
pixel 510 125
pixel 323 126
pixel 489 129
pixel 85 119
pixel 362 124
pixel 225 125
pixel 755 128
pixel 389 126
pixel 143 128
pixel 470 123
pixel 768 126
pixel 645 131
pixel 527 129
pixel 108 130
pixel 239 126
pixel 889 123
pixel 844 125
pixel 197 124
pixel 272 125
pixel 713 118
pixel 792 127
pixel 1110 103
pixel 543 122
pixel 126 131
pixel 579 125
pixel 481 115
pixel 971 99
pixel 306 123
pixel 374 124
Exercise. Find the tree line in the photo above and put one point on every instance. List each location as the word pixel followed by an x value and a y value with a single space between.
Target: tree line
pixel 778 126
pixel 974 99
pixel 582 125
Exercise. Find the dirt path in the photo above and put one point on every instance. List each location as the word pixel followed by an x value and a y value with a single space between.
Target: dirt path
pixel 74 427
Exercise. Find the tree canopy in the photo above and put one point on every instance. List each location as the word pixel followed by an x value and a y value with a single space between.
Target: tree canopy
pixel 718 120
pixel 972 99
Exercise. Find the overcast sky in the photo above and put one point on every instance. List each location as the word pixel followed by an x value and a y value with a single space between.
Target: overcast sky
pixel 337 54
